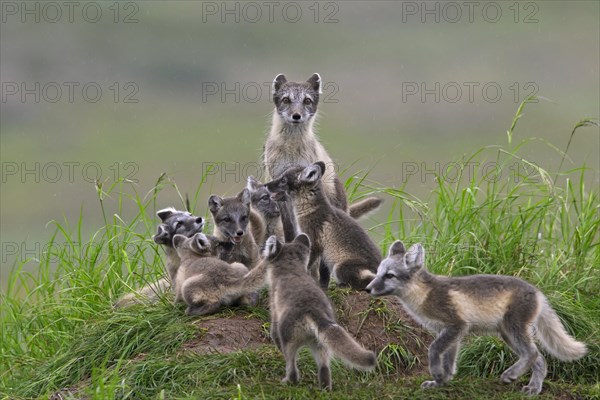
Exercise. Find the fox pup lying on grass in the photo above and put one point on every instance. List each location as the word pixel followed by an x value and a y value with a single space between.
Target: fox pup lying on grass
pixel 173 222
pixel 205 282
pixel 302 315
pixel 489 304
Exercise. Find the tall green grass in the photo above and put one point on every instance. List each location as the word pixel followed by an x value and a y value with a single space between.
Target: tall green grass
pixel 60 333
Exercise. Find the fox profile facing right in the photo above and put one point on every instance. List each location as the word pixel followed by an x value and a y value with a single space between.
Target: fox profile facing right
pixel 484 304
pixel 302 315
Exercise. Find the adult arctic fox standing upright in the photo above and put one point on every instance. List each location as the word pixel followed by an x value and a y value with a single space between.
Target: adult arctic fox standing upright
pixel 292 140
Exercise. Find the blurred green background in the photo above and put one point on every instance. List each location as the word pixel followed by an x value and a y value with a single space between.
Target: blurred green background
pixel 198 74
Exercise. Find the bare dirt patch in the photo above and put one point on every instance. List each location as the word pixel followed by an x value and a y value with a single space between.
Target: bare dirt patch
pixel 375 323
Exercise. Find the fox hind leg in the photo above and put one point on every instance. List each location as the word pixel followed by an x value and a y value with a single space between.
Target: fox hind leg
pixel 521 342
pixel 539 371
pixel 290 350
pixel 321 356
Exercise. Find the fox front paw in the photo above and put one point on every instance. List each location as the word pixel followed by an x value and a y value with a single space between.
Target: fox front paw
pixel 430 384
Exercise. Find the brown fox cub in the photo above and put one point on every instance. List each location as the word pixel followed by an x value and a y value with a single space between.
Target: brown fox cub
pixel 485 304
pixel 334 235
pixel 302 315
pixel 236 223
pixel 173 222
pixel 205 283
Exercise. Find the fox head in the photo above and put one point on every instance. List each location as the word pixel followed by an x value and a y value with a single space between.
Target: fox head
pixel 296 102
pixel 230 215
pixel 298 181
pixel 397 270
pixel 176 222
pixel 287 254
pixel 261 200
pixel 199 244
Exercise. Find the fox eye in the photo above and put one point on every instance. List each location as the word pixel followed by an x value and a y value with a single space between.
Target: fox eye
pixel 265 197
pixel 389 276
pixel 226 219
pixel 285 100
pixel 244 218
pixel 307 101
pixel 178 224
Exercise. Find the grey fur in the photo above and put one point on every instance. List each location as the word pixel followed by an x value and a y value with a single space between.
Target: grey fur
pixel 292 142
pixel 172 222
pixel 452 307
pixel 232 217
pixel 267 208
pixel 335 236
pixel 302 315
pixel 205 282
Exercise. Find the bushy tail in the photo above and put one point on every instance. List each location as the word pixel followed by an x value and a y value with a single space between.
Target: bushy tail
pixel 339 341
pixel 148 294
pixel 362 207
pixel 553 336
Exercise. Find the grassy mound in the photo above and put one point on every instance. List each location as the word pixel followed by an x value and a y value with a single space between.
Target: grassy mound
pixel 61 337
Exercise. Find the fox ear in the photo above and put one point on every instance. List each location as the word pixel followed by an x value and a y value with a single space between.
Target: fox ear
pixel 214 203
pixel 415 257
pixel 252 183
pixel 313 172
pixel 315 82
pixel 178 240
pixel 244 197
pixel 165 213
pixel 162 236
pixel 277 82
pixel 396 248
pixel 200 241
pixel 303 239
pixel 272 247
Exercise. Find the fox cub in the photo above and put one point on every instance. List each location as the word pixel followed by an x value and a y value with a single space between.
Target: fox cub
pixel 335 236
pixel 302 315
pixel 205 282
pixel 483 304
pixel 236 223
pixel 172 222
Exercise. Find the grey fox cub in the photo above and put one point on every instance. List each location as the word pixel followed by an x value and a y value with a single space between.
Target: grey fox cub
pixel 236 223
pixel 486 304
pixel 173 222
pixel 334 235
pixel 302 315
pixel 205 282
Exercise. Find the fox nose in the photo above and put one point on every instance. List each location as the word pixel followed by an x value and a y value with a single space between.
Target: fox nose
pixel 296 117
pixel 367 289
pixel 239 233
pixel 199 220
